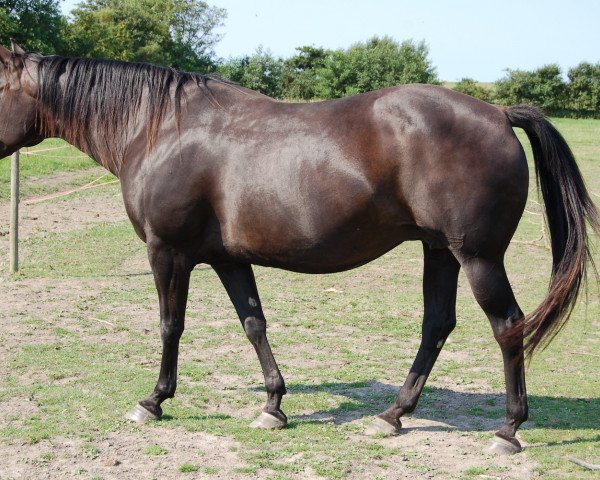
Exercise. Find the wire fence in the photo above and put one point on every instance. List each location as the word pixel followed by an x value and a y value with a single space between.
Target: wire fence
pixel 76 153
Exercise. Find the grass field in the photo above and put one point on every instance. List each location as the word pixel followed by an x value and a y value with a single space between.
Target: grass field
pixel 55 157
pixel 80 346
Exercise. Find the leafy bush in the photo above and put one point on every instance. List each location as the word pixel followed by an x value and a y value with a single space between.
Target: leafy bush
pixel 469 86
pixel 177 33
pixel 318 73
pixel 36 24
pixel 584 88
pixel 543 87
pixel 303 73
pixel 260 71
pixel 377 63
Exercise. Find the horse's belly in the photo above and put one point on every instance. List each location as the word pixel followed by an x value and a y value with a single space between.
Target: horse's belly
pixel 344 249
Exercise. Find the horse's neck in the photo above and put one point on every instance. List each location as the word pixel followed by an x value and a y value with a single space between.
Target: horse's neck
pixel 97 150
pixel 100 127
pixel 103 147
pixel 111 110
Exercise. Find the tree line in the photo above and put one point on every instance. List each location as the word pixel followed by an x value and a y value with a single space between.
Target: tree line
pixel 183 33
pixel 578 96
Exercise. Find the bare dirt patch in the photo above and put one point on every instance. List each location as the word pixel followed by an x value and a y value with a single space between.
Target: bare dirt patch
pixel 152 452
pixel 67 213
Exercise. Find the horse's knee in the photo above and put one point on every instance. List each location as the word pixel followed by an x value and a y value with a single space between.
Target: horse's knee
pixel 255 328
pixel 171 329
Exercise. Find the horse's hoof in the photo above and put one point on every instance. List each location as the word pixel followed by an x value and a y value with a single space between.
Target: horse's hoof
pixel 501 446
pixel 379 427
pixel 140 414
pixel 268 422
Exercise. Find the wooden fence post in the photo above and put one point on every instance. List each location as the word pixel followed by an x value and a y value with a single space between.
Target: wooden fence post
pixel 14 212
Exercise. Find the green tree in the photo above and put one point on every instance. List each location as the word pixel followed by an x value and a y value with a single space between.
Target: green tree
pixel 377 63
pixel 584 88
pixel 35 24
pixel 193 33
pixel 261 71
pixel 302 73
pixel 469 86
pixel 233 68
pixel 178 33
pixel 543 87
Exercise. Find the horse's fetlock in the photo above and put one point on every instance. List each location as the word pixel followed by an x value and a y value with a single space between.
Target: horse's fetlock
pixel 276 386
pixel 406 405
pixel 518 413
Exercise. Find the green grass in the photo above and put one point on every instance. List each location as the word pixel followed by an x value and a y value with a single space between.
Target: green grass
pixel 188 468
pixel 155 450
pixel 41 165
pixel 52 254
pixel 342 353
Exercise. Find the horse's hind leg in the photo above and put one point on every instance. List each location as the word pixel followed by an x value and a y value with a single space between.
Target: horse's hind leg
pixel 172 277
pixel 439 293
pixel 238 280
pixel 493 293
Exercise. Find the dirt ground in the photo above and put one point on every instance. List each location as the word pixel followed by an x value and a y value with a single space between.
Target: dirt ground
pixel 444 450
pixel 120 455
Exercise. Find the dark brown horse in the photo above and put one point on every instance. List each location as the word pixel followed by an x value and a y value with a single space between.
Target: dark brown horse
pixel 212 172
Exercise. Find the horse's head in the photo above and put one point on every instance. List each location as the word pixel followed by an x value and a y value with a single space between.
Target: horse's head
pixel 17 101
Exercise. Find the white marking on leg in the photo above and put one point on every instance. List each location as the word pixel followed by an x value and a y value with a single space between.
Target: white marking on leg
pixel 440 344
pixel 252 301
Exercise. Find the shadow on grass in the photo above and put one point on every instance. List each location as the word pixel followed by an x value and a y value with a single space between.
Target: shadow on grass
pixel 464 411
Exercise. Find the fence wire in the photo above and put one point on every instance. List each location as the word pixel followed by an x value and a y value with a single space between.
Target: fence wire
pixel 38 153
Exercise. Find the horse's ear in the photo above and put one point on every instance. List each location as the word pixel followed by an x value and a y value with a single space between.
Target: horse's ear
pixel 16 48
pixel 5 55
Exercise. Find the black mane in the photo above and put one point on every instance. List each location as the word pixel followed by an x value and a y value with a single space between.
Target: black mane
pixel 82 95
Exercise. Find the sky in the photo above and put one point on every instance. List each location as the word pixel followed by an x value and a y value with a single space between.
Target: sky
pixel 466 38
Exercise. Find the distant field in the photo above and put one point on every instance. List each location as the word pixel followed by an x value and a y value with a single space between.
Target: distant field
pixel 80 345
pixel 488 85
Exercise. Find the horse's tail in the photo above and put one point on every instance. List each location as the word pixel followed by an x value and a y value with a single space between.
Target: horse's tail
pixel 568 206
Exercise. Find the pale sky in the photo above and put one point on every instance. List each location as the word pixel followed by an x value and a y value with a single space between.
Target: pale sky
pixel 466 38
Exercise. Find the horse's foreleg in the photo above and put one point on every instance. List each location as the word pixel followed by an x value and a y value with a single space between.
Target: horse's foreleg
pixel 172 276
pixel 238 280
pixel 494 294
pixel 440 279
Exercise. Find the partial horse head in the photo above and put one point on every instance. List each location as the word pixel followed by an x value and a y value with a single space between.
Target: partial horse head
pixel 17 101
